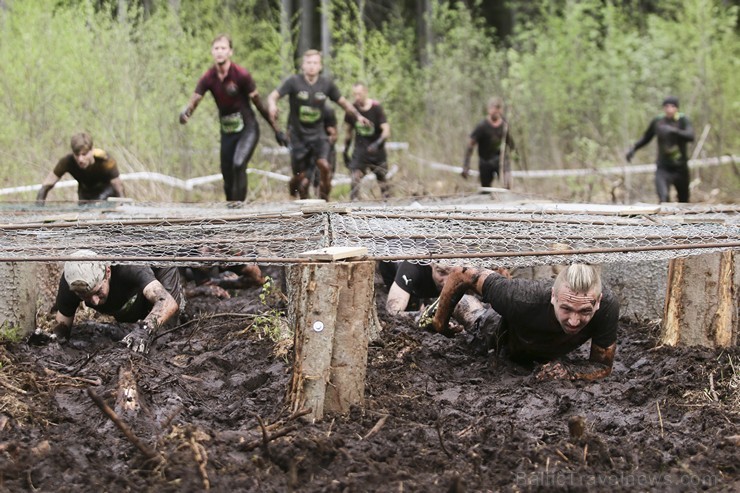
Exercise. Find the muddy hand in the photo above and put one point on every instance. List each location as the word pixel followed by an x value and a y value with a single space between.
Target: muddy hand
pixel 426 321
pixel 552 371
pixel 139 338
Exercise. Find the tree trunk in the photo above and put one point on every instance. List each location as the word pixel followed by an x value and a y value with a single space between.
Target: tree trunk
pixel 330 309
pixel 326 34
pixel 702 301
pixel 306 39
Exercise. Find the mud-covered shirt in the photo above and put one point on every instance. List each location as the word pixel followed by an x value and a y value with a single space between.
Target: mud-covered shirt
pixel 127 283
pixel 92 179
pixel 673 136
pixel 416 280
pixel 232 93
pixel 527 315
pixel 489 139
pixel 367 134
pixel 307 102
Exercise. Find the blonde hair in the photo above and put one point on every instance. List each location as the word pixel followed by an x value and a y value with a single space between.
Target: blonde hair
pixel 580 278
pixel 81 141
pixel 311 52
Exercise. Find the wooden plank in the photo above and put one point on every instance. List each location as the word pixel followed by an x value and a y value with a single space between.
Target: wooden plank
pixel 335 253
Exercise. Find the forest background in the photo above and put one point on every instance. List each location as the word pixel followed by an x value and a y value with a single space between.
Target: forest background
pixel 581 79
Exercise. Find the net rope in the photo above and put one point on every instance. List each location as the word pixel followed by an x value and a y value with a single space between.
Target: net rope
pixel 483 234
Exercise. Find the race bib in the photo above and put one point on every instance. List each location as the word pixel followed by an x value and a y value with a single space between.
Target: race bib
pixel 365 130
pixel 309 114
pixel 231 124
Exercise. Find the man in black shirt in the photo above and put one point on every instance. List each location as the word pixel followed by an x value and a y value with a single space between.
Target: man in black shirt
pixel 95 171
pixel 148 297
pixel 543 320
pixel 674 132
pixel 494 143
pixel 369 152
pixel 308 93
pixel 419 282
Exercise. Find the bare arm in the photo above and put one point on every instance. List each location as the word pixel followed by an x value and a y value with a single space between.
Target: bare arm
pixel 164 305
pixel 190 108
pixel 117 185
pixel 466 160
pixel 350 108
pixel 255 97
pixel 272 109
pixel 48 183
pixel 332 133
pixel 397 301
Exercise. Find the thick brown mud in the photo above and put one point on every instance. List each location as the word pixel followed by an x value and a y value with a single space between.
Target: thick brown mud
pixel 437 416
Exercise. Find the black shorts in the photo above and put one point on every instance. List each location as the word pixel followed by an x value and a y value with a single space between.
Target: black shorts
pixel 304 154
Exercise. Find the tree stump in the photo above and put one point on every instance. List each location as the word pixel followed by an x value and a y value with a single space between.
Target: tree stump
pixel 702 301
pixel 330 307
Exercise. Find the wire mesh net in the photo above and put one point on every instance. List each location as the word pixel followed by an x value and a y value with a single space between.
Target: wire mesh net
pixel 484 234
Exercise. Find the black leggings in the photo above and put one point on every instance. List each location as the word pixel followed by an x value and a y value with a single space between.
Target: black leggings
pixel 236 151
pixel 677 177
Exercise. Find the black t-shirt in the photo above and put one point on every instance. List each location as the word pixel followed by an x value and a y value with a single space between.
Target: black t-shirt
pixel 489 139
pixel 529 318
pixel 673 137
pixel 92 179
pixel 307 101
pixel 367 134
pixel 126 282
pixel 416 280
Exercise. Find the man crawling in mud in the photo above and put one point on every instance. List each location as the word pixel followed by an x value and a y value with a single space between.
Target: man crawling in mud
pixel 539 320
pixel 141 297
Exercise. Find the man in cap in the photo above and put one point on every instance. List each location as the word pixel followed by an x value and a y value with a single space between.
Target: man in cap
pixel 149 297
pixel 674 132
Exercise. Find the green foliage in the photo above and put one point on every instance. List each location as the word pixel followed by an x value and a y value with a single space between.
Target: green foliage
pixel 581 79
pixel 270 323
pixel 10 333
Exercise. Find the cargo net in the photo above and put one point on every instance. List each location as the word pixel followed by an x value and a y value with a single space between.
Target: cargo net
pixel 486 235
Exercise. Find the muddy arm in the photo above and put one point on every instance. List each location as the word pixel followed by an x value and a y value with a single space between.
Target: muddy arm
pixel 599 364
pixel 164 305
pixel 459 281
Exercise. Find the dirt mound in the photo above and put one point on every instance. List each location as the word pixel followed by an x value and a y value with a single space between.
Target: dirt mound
pixel 437 416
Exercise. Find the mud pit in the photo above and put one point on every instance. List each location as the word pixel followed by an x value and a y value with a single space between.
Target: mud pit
pixel 438 417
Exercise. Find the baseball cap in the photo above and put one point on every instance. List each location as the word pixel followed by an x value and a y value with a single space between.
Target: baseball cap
pixel 84 275
pixel 671 100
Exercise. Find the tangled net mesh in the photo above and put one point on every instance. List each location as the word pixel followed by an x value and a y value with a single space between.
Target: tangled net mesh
pixel 489 235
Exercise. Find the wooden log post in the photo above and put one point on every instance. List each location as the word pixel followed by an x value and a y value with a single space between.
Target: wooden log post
pixel 702 301
pixel 330 309
pixel 21 290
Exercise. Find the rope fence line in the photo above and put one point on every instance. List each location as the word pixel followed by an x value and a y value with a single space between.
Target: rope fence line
pixel 340 179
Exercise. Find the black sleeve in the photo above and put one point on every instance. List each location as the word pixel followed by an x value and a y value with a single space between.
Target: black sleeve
pixel 67 302
pixel 605 321
pixel 648 136
pixel 685 130
pixel 286 87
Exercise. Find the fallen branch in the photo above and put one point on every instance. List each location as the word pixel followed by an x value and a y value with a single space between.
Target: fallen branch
pixel 270 437
pixel 12 388
pixel 441 441
pixel 376 428
pixel 146 450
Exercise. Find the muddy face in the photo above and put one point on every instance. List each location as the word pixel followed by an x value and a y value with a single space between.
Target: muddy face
pixel 574 310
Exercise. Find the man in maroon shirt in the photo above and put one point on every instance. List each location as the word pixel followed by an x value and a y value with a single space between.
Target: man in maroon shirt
pixel 95 171
pixel 232 87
